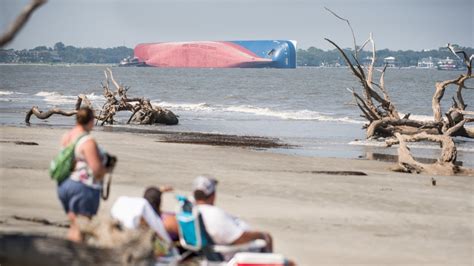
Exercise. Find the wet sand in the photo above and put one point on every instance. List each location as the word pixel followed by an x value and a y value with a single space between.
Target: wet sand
pixel 315 216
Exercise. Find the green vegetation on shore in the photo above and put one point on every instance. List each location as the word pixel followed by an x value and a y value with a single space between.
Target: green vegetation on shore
pixel 332 58
pixel 60 53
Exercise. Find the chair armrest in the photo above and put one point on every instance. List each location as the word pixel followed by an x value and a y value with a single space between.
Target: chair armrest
pixel 255 244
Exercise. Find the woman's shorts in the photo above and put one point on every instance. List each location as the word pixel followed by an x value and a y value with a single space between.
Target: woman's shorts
pixel 78 198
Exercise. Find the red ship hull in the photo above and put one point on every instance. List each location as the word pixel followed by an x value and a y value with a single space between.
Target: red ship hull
pixel 206 54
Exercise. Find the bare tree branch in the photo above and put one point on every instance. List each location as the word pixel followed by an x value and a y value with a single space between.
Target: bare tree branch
pixel 370 71
pixel 20 21
pixel 356 73
pixel 438 95
pixel 113 80
pixel 452 130
pixel 348 24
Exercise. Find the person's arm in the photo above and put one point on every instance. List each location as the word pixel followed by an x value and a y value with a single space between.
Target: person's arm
pixel 165 188
pixel 64 140
pixel 91 154
pixel 170 223
pixel 155 223
pixel 248 236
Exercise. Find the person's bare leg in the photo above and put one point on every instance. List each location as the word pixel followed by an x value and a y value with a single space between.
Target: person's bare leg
pixel 74 234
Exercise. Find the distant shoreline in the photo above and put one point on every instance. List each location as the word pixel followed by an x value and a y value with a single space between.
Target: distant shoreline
pixel 56 64
pixel 116 65
pixel 311 56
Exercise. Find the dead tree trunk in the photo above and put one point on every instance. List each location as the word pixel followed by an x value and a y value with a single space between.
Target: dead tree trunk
pixel 384 121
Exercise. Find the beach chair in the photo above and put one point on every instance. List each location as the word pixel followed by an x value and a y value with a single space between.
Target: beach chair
pixel 194 238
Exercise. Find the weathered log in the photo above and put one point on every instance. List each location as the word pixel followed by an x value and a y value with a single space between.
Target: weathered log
pixel 445 165
pixel 106 243
pixel 44 115
pixel 143 112
pixel 466 112
pixel 387 126
pixel 134 246
pixel 18 249
pixel 462 131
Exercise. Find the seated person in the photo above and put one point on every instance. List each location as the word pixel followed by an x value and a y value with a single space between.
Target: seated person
pixel 223 228
pixel 153 196
pixel 132 212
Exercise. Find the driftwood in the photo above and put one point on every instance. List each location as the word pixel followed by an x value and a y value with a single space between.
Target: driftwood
pixel 107 244
pixel 19 249
pixel 406 163
pixel 384 120
pixel 20 21
pixel 134 246
pixel 45 115
pixel 142 111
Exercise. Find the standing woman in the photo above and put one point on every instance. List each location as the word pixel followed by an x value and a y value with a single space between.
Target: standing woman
pixel 80 192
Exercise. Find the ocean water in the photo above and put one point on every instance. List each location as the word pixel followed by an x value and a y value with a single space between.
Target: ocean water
pixel 309 108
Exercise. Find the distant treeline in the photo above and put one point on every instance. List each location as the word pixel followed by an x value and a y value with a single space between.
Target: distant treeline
pixel 317 57
pixel 61 53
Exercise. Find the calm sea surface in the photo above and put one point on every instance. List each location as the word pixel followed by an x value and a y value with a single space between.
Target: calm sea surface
pixel 306 107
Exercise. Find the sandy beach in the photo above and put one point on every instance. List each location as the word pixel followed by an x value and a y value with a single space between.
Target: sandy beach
pixel 316 218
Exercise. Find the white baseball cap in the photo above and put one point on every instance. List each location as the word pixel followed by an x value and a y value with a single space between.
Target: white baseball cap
pixel 205 184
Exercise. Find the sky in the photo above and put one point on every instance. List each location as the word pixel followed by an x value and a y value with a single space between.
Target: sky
pixel 395 24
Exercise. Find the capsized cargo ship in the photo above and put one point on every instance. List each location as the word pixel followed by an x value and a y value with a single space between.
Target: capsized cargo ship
pixel 219 54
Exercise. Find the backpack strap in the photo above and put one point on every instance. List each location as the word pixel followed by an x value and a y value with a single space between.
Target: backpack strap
pixel 79 141
pixel 80 137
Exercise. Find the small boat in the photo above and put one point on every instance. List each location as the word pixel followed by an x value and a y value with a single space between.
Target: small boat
pixel 129 61
pixel 450 64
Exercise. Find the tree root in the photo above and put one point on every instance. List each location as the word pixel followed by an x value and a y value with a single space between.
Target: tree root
pixel 445 164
